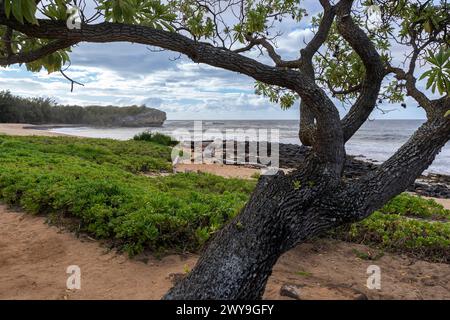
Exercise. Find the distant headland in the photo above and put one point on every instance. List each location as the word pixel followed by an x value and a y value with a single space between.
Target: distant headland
pixel 14 109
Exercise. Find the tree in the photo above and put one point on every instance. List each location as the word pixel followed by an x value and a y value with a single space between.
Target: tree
pixel 347 58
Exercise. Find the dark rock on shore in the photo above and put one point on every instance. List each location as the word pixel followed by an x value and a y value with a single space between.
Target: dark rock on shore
pixel 433 185
pixel 292 156
pixel 290 291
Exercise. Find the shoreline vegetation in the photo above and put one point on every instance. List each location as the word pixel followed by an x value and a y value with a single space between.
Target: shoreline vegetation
pixel 15 109
pixel 124 192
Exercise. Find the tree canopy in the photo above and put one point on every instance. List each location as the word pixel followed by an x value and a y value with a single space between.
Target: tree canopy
pixel 254 27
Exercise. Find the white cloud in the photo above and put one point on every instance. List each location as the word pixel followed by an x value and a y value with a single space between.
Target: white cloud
pixel 125 74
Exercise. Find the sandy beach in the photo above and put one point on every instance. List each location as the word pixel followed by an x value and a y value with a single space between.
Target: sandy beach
pixel 21 129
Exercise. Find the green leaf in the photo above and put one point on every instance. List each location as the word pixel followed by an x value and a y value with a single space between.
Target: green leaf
pixel 447 113
pixel 439 75
pixel 427 27
pixel 29 10
pixel 17 10
pixel 431 78
pixel 117 11
pixel 425 74
pixel 440 84
pixel 8 8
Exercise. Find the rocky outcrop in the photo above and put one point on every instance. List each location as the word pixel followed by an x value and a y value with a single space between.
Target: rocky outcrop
pixel 149 118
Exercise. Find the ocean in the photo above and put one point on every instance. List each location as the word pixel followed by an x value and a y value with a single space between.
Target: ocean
pixel 376 140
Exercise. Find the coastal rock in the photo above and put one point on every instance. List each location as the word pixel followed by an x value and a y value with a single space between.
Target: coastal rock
pixel 292 156
pixel 176 277
pixel 150 118
pixel 290 291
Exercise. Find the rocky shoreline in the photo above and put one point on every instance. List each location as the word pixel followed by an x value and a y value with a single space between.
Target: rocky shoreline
pixel 292 156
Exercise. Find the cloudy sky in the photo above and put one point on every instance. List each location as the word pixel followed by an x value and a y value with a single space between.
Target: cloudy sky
pixel 127 74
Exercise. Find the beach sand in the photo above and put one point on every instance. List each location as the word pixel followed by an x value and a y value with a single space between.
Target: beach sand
pixel 34 258
pixel 21 129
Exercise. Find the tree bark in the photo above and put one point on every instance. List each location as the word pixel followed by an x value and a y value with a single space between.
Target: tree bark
pixel 286 210
pixel 281 213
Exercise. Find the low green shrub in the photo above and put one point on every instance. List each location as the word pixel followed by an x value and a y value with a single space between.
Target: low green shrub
pixel 156 137
pixel 421 238
pixel 133 156
pixel 85 179
pixel 407 224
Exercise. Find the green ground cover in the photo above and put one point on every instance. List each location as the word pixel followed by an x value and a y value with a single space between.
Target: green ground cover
pixel 100 184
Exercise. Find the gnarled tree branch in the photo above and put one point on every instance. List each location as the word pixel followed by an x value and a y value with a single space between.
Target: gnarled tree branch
pixel 307 121
pixel 322 33
pixel 412 90
pixel 276 58
pixel 374 73
pixel 401 169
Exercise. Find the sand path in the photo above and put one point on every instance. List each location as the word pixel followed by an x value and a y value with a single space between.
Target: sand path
pixel 34 257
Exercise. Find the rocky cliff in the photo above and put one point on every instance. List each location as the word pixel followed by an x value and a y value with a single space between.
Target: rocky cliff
pixel 149 118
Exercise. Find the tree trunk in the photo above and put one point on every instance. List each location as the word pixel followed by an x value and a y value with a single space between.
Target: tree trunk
pixel 239 260
pixel 286 210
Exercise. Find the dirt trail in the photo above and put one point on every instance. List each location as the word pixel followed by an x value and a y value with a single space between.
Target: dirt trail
pixel 34 257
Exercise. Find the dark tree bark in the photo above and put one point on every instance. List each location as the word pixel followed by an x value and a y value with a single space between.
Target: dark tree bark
pixel 307 119
pixel 284 210
pixel 239 260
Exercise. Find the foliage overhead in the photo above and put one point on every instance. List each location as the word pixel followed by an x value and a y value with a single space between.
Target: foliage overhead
pixel 421 27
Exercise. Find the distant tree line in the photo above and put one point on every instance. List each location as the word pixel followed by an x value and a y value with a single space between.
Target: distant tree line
pixel 15 109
